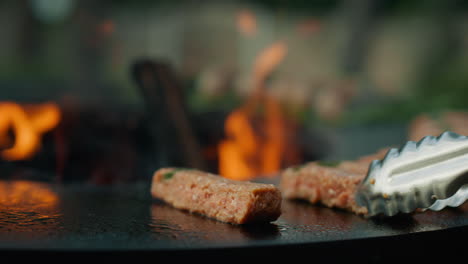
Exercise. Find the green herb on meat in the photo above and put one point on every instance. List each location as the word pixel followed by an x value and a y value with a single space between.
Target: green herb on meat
pixel 170 174
pixel 329 163
pixel 298 167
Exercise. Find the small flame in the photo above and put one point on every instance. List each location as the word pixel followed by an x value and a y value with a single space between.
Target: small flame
pixel 266 62
pixel 28 123
pixel 236 153
pixel 256 131
pixel 246 22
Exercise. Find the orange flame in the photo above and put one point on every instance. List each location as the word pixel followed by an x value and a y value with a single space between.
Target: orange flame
pixel 256 131
pixel 246 22
pixel 28 123
pixel 266 62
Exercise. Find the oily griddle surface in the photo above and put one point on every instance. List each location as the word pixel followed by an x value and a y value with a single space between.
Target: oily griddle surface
pixel 43 216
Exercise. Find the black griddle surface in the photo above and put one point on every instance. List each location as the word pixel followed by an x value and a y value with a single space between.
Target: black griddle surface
pixel 83 217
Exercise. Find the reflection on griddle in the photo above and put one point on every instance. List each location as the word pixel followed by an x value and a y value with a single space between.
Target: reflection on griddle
pixel 37 215
pixel 400 222
pixel 174 224
pixel 327 222
pixel 316 216
pixel 27 205
pixel 445 218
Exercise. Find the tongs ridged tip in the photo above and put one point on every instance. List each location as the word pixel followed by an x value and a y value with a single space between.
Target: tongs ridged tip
pixel 421 174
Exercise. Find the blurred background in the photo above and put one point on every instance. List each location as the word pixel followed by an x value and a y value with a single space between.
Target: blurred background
pixel 109 91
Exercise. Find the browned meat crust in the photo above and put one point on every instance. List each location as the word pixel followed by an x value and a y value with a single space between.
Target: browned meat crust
pixel 236 202
pixel 333 185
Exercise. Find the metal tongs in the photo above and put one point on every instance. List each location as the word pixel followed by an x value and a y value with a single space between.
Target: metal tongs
pixel 429 174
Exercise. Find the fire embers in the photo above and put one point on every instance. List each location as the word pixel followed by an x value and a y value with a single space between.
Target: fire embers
pixel 22 126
